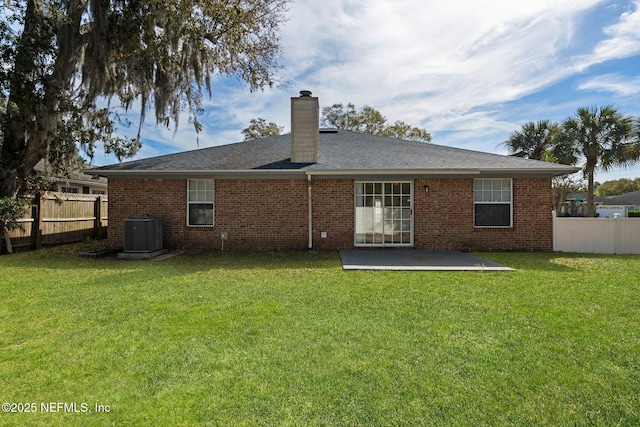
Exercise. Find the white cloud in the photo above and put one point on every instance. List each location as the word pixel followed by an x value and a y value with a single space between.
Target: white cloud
pixel 615 83
pixel 623 40
pixel 624 37
pixel 423 62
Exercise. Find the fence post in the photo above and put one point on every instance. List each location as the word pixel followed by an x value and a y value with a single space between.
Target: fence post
pixel 618 237
pixel 37 221
pixel 554 231
pixel 97 212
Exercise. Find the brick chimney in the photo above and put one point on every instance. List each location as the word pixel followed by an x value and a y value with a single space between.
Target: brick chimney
pixel 305 128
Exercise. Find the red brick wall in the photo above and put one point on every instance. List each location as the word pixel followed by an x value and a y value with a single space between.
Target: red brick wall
pixel 257 214
pixel 272 214
pixel 162 198
pixel 443 217
pixel 333 213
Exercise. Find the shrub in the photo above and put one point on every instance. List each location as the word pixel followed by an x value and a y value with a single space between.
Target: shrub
pixel 11 210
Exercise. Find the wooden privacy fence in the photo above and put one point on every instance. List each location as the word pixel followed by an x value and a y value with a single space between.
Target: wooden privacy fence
pixel 56 218
pixel 597 235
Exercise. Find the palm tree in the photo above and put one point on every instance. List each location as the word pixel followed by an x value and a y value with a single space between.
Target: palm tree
pixel 538 141
pixel 601 137
pixel 534 140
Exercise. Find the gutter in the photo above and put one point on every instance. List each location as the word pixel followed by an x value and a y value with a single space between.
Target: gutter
pixel 87 182
pixel 300 173
pixel 276 173
pixel 190 173
pixel 417 172
pixel 556 171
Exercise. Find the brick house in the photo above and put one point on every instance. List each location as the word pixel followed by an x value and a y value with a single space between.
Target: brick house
pixel 336 189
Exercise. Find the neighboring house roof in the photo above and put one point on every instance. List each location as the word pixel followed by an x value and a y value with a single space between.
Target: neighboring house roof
pixel 583 197
pixel 630 199
pixel 340 153
pixel 76 177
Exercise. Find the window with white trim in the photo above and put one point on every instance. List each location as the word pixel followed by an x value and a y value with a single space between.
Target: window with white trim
pixel 200 202
pixel 493 202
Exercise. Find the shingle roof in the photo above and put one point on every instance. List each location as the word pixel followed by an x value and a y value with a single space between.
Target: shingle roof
pixel 43 168
pixel 582 196
pixel 632 199
pixel 628 199
pixel 339 152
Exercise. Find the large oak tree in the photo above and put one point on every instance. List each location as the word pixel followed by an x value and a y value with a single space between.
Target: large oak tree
pixel 65 63
pixel 259 128
pixel 371 121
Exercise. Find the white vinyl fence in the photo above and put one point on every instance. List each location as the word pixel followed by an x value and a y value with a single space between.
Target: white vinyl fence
pixel 597 235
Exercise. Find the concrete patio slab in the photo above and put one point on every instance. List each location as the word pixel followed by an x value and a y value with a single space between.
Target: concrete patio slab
pixel 141 255
pixel 418 260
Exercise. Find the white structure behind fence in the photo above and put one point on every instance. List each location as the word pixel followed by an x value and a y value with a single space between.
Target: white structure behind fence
pixel 597 235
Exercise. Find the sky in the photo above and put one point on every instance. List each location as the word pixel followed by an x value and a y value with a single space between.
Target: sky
pixel 470 72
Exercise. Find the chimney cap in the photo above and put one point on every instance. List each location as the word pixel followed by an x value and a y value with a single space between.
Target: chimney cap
pixel 305 93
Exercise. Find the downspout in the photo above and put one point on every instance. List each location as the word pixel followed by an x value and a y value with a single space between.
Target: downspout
pixel 310 211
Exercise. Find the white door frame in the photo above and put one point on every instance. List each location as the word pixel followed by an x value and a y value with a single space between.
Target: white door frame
pixel 371 202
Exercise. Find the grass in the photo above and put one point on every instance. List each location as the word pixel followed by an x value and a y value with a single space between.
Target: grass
pixel 288 338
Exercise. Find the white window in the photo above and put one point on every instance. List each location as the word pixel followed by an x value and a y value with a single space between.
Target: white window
pixel 493 202
pixel 200 202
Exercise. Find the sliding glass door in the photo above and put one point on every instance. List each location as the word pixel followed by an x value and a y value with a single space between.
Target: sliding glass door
pixel 384 214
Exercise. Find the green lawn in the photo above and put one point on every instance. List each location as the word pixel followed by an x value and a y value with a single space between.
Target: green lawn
pixel 288 338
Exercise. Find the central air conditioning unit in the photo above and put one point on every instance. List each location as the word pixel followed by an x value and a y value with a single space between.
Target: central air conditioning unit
pixel 143 234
